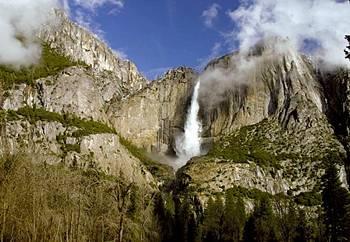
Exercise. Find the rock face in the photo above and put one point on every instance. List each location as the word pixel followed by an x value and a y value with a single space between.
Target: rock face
pixel 79 44
pixel 63 117
pixel 74 115
pixel 283 85
pixel 271 132
pixel 272 129
pixel 151 117
pixel 55 143
pixel 74 91
pixel 337 93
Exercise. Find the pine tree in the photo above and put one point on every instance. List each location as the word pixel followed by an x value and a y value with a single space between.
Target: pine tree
pixel 164 208
pixel 260 227
pixel 303 231
pixel 186 227
pixel 234 217
pixel 213 220
pixel 286 218
pixel 336 202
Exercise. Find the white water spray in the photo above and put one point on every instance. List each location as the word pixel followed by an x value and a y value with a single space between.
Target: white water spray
pixel 188 144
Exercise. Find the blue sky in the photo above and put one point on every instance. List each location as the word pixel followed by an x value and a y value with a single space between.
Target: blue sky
pixel 161 34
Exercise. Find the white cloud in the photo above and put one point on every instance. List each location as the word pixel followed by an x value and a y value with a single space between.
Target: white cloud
pixel 92 5
pixel 323 23
pixel 210 14
pixel 120 53
pixel 85 10
pixel 20 22
pixel 86 20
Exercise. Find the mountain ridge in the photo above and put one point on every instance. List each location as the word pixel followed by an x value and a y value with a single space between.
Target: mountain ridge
pixel 270 130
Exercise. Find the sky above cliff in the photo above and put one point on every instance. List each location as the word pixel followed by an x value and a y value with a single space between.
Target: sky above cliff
pixel 161 34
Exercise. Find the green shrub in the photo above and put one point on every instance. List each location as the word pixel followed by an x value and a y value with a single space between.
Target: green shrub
pixel 252 193
pixel 309 198
pixel 245 144
pixel 86 127
pixel 36 114
pixel 72 147
pixel 51 63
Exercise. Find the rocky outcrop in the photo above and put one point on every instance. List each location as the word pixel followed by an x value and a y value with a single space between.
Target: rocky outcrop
pixel 267 157
pixel 41 117
pixel 79 44
pixel 151 117
pixel 73 91
pixel 55 143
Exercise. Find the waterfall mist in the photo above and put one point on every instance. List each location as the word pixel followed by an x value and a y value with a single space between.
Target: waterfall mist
pixel 188 144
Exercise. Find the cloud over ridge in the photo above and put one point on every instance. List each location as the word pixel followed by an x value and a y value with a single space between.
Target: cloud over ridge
pixel 20 22
pixel 313 26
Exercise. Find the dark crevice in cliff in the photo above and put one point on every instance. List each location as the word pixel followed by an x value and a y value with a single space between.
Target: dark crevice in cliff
pixel 336 91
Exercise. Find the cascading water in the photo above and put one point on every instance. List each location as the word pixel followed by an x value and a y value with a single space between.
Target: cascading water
pixel 188 144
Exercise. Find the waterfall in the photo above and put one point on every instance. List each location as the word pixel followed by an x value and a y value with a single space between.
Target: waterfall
pixel 188 144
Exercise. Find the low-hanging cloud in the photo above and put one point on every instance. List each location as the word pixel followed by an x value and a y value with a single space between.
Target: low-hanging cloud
pixel 316 27
pixel 239 71
pixel 20 23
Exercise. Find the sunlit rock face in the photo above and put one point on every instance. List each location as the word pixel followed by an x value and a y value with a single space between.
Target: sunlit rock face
pixel 79 44
pixel 72 91
pixel 49 142
pixel 152 117
pixel 84 91
pixel 271 129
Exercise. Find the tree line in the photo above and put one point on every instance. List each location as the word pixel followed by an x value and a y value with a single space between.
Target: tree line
pixel 226 218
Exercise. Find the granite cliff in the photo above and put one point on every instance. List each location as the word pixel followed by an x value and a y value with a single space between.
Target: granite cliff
pixel 273 133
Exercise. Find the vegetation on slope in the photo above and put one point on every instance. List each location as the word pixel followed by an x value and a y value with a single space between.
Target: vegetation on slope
pixel 51 63
pixel 157 169
pixel 273 218
pixel 267 144
pixel 86 127
pixel 39 202
pixel 244 145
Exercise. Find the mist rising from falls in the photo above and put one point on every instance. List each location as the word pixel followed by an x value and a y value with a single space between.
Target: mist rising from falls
pixel 188 144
